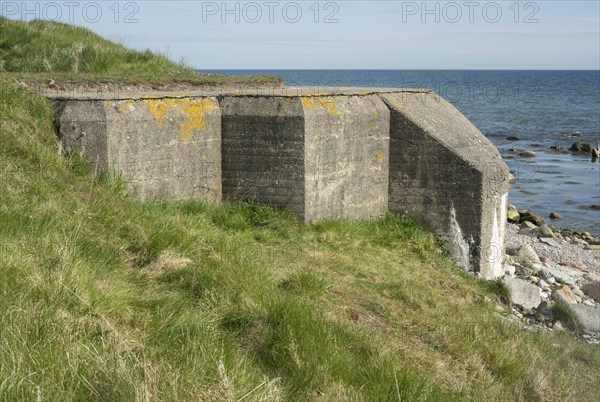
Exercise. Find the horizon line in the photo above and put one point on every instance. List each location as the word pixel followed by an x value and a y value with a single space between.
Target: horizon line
pixel 394 69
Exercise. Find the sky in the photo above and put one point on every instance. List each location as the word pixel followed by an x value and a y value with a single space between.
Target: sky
pixel 209 35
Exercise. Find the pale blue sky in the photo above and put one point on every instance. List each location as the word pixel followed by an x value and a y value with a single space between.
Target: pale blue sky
pixel 367 35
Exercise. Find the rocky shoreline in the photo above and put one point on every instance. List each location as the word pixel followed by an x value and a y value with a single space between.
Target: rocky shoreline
pixel 552 275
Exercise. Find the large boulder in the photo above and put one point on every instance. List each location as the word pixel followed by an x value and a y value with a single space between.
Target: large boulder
pixel 564 277
pixel 527 256
pixel 581 146
pixel 565 295
pixel 588 317
pixel 544 231
pixel 530 216
pixel 592 289
pixel 512 214
pixel 523 293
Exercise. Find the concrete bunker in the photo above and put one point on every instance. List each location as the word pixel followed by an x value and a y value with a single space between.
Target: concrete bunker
pixel 349 153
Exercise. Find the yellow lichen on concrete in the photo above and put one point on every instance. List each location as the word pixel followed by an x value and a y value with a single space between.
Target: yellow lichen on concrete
pixel 158 108
pixel 127 106
pixel 398 101
pixel 196 119
pixel 379 156
pixel 326 103
pixel 193 108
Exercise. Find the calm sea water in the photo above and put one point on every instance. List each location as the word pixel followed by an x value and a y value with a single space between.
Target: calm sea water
pixel 541 108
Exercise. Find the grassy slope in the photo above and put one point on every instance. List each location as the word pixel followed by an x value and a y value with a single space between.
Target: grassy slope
pixel 106 298
pixel 42 50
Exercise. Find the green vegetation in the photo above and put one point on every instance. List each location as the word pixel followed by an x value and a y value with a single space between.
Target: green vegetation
pixel 40 51
pixel 106 298
pixel 562 313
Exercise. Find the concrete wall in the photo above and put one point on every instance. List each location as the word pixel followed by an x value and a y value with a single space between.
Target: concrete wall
pixel 351 154
pixel 323 156
pixel 347 151
pixel 162 147
pixel 263 150
pixel 439 163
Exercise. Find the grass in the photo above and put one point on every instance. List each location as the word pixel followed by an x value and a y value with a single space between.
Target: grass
pixel 562 313
pixel 106 298
pixel 40 51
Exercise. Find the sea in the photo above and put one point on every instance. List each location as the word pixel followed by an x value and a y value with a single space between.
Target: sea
pixel 540 111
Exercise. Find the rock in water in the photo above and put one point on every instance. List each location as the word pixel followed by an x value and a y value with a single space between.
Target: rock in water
pixel 512 214
pixel 554 215
pixel 595 154
pixel 527 154
pixel 530 216
pixel 581 146
pixel 523 293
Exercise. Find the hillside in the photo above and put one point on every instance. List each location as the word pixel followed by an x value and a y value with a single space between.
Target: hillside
pixel 41 51
pixel 106 298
